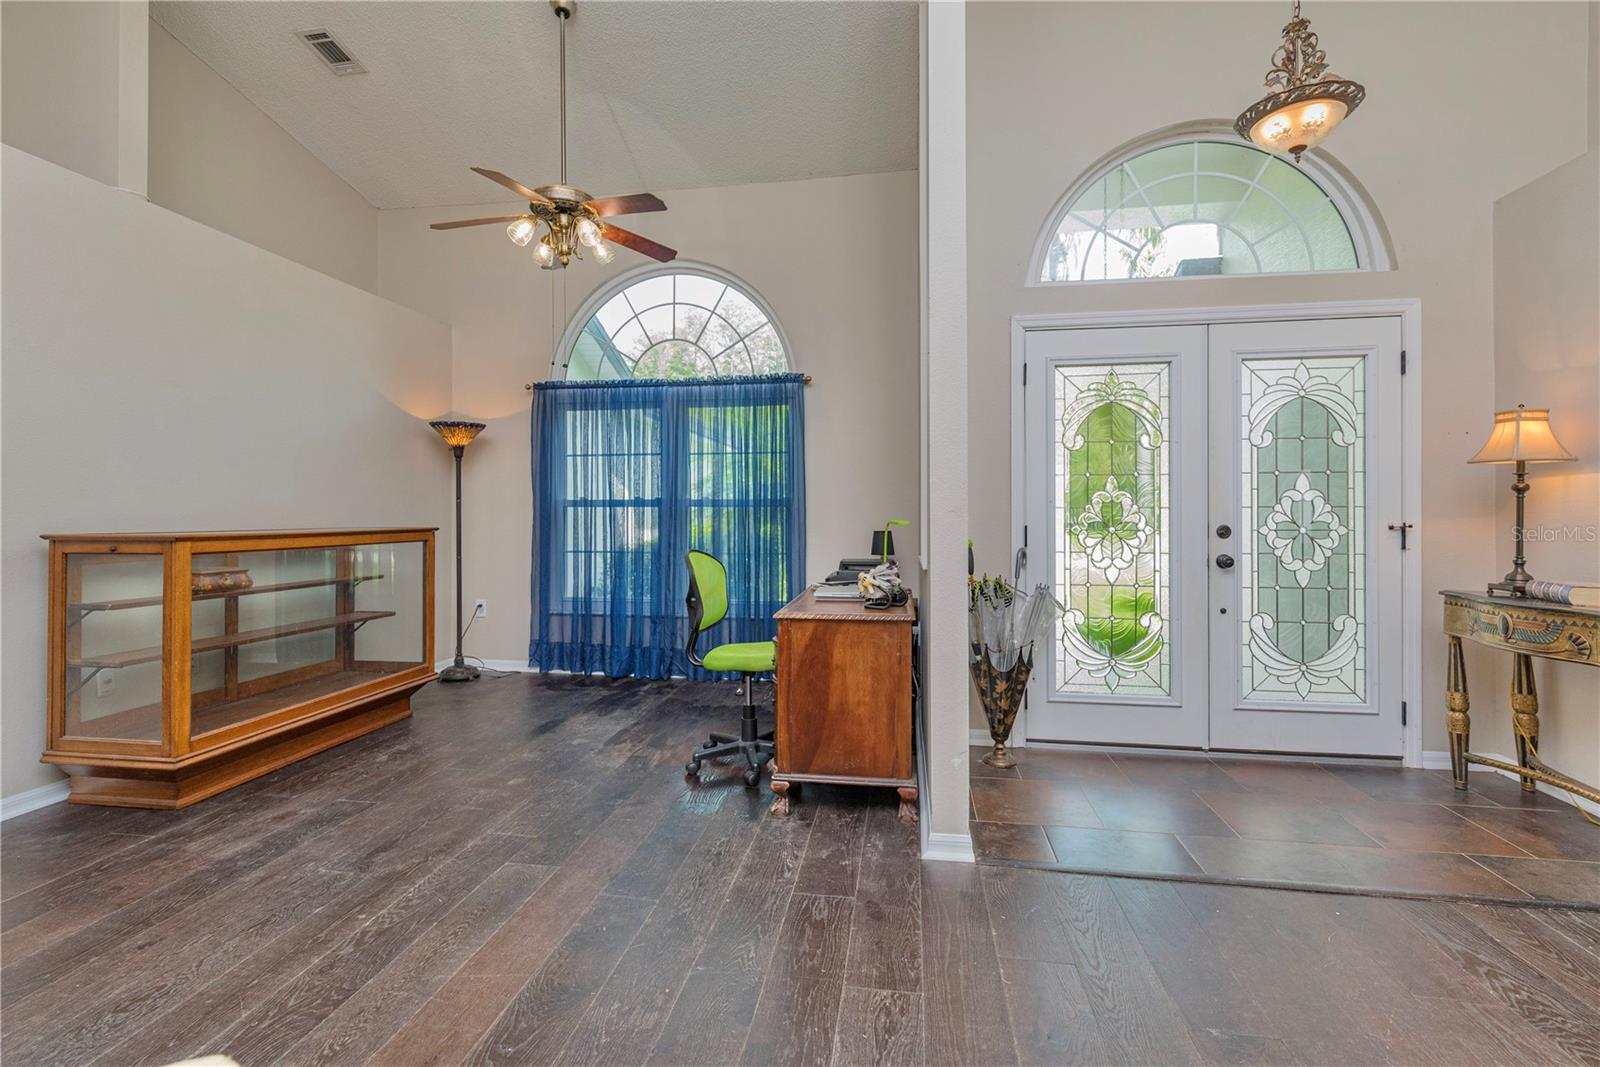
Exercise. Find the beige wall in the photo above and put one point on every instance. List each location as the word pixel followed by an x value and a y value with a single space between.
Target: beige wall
pixel 61 81
pixel 1547 354
pixel 159 374
pixel 835 258
pixel 1052 87
pixel 217 158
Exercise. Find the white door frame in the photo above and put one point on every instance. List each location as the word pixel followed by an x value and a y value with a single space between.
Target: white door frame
pixel 1409 311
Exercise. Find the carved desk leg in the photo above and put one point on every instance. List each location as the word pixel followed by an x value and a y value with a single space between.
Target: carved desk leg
pixel 1524 713
pixel 1456 703
pixel 780 803
pixel 908 803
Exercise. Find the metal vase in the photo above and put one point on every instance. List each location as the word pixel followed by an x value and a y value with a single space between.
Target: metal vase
pixel 1000 692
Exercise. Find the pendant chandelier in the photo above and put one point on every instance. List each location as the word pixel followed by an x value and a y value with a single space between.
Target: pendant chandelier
pixel 1304 102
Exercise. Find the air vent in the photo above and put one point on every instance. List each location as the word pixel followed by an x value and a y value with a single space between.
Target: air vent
pixel 332 52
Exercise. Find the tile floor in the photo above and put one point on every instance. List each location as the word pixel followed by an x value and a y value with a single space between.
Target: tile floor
pixel 1375 829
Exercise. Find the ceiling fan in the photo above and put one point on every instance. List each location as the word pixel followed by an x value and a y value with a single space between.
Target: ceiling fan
pixel 573 219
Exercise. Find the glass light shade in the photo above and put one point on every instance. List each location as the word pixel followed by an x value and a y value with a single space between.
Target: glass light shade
pixel 456 433
pixel 521 232
pixel 1522 435
pixel 1297 126
pixel 543 254
pixel 589 233
pixel 603 252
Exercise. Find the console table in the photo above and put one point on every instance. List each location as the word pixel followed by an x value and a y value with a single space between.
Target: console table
pixel 1527 629
pixel 844 698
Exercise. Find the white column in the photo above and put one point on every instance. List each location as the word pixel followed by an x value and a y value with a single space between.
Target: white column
pixel 944 378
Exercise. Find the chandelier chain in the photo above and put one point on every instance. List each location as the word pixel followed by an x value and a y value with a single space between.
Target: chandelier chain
pixel 1300 60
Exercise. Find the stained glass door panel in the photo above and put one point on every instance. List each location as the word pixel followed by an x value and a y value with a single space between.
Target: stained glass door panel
pixel 1110 492
pixel 1113 518
pixel 1306 418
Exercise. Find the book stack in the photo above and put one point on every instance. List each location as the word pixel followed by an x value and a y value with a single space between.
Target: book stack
pixel 1579 596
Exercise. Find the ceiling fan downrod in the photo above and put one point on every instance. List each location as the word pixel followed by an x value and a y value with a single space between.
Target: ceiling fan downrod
pixel 564 10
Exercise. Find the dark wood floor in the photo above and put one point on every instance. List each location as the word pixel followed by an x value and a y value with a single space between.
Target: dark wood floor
pixel 1359 828
pixel 521 875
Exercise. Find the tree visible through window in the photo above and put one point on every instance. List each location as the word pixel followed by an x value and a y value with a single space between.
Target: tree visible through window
pixel 1198 207
pixel 683 323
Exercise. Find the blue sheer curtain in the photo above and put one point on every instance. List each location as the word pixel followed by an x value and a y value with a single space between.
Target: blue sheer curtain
pixel 627 477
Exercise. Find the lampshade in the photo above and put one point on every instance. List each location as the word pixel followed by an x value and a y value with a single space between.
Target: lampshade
pixel 1522 435
pixel 882 543
pixel 1293 122
pixel 457 434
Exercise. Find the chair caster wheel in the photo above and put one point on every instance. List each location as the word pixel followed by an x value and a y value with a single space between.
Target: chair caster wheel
pixel 692 768
pixel 708 744
pixel 752 776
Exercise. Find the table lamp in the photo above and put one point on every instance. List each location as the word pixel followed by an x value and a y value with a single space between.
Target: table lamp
pixel 1522 436
pixel 458 435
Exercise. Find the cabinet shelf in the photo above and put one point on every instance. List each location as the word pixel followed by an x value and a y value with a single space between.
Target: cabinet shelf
pixel 246 637
pixel 88 606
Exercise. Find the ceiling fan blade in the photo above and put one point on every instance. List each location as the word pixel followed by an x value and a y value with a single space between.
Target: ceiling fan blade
pixel 632 204
pixel 472 222
pixel 512 184
pixel 629 239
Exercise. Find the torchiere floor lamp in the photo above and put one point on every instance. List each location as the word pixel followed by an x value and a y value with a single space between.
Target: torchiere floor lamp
pixel 458 435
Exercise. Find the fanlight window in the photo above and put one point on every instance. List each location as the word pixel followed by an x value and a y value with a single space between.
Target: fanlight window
pixel 680 324
pixel 1194 208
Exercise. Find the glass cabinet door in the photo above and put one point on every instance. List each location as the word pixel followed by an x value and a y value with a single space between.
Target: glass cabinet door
pixel 279 628
pixel 112 650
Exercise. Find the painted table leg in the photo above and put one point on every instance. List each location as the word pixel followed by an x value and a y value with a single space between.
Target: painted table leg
pixel 1524 713
pixel 1457 720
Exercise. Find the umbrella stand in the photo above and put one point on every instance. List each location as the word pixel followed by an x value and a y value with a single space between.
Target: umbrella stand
pixel 1000 692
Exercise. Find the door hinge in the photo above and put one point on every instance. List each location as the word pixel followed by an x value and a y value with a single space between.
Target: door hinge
pixel 1402 713
pixel 1402 361
pixel 1024 535
pixel 1403 527
pixel 1024 375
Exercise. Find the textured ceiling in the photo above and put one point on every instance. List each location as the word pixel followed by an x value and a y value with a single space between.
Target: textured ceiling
pixel 661 95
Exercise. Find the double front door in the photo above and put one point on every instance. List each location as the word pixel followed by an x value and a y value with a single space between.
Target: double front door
pixel 1218 508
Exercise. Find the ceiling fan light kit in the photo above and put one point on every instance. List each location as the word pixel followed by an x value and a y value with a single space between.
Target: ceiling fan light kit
pixel 1304 102
pixel 572 219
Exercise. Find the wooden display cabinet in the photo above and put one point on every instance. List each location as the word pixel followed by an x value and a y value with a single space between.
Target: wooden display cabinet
pixel 182 664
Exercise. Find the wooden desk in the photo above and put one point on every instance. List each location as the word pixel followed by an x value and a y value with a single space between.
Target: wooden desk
pixel 844 698
pixel 1527 629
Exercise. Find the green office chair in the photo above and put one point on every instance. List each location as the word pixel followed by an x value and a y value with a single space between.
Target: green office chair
pixel 708 603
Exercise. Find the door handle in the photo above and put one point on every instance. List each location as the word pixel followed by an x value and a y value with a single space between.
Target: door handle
pixel 1225 562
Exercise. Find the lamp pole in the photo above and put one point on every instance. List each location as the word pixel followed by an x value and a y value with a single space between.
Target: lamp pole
pixel 458 435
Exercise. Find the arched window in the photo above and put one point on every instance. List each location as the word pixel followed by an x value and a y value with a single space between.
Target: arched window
pixel 1189 203
pixel 678 321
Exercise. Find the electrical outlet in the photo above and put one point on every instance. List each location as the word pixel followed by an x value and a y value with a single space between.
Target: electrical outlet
pixel 480 608
pixel 104 683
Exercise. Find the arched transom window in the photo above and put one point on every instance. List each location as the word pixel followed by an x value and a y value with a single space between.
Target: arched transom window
pixel 682 322
pixel 1197 207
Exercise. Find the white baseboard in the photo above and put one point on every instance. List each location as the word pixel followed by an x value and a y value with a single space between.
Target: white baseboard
pixel 951 848
pixel 33 799
pixel 1441 761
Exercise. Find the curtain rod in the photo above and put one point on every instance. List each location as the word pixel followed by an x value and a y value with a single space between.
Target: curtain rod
pixel 805 379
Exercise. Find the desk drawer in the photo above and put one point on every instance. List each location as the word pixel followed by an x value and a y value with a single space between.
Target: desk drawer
pixel 844 699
